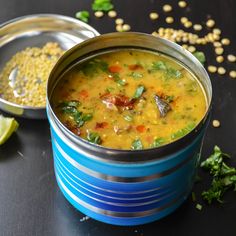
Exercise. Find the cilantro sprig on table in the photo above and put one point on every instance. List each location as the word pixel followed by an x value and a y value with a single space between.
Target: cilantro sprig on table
pixel 224 176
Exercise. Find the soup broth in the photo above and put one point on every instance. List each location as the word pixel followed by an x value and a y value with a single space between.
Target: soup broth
pixel 129 99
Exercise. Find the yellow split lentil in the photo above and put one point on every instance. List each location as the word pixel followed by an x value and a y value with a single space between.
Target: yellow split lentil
pixel 24 78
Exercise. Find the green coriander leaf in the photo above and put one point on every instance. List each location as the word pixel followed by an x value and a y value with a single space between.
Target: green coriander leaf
pixel 200 56
pixel 102 5
pixel 82 15
pixel 136 75
pixel 158 142
pixel 139 91
pixel 137 145
pixel 128 118
pixel 94 138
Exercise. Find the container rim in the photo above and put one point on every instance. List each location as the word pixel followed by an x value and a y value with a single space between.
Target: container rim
pixel 111 154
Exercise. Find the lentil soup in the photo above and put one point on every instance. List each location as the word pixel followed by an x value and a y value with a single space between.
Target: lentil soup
pixel 129 99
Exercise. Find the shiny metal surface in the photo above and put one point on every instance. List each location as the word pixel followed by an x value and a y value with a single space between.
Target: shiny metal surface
pixel 37 30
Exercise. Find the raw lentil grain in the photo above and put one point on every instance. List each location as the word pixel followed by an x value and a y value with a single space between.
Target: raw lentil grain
pixel 231 58
pixel 217 44
pixel 221 70
pixel 183 20
pixel 119 28
pixel 112 14
pixel 216 123
pixel 197 27
pixel 153 16
pixel 216 31
pixel 126 27
pixel 225 41
pixel 210 23
pixel 98 14
pixel 191 49
pixel 219 51
pixel 167 8
pixel 220 59
pixel 188 24
pixel 212 69
pixel 169 19
pixel 182 4
pixel 119 21
pixel 232 74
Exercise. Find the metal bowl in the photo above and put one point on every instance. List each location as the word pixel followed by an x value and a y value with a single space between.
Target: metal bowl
pixel 35 31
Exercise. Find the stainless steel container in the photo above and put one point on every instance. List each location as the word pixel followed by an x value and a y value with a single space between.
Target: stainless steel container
pixel 119 186
pixel 37 30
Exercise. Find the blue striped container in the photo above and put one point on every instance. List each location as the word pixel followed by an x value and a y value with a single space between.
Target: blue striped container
pixel 124 187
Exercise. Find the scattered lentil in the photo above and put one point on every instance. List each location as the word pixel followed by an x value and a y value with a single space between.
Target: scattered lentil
pixel 216 31
pixel 231 58
pixel 219 51
pixel 212 69
pixel 167 8
pixel 112 14
pixel 191 49
pixel 217 44
pixel 30 68
pixel 99 14
pixel 126 27
pixel 153 16
pixel 182 4
pixel 219 59
pixel 119 21
pixel 232 74
pixel 221 70
pixel 216 123
pixel 169 19
pixel 210 23
pixel 119 28
pixel 183 20
pixel 197 27
pixel 225 41
pixel 188 24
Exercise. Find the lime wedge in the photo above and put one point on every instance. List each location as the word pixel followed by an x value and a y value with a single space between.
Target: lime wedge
pixel 7 127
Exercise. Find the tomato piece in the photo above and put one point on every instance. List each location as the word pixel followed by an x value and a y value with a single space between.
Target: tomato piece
pixel 114 69
pixel 101 125
pixel 135 67
pixel 83 93
pixel 140 128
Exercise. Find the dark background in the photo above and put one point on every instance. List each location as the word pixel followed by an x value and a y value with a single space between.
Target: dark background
pixel 30 201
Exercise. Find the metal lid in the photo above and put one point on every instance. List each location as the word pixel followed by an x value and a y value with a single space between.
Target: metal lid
pixel 35 31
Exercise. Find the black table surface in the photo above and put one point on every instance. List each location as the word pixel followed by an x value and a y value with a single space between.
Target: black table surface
pixel 30 201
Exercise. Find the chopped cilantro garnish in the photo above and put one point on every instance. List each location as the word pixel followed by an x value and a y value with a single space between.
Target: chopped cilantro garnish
pixel 139 91
pixel 169 72
pixel 182 132
pixel 137 145
pixel 136 75
pixel 82 15
pixel 94 138
pixel 224 176
pixel 200 56
pixel 102 5
pixel 158 142
pixel 91 67
pixel 128 118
